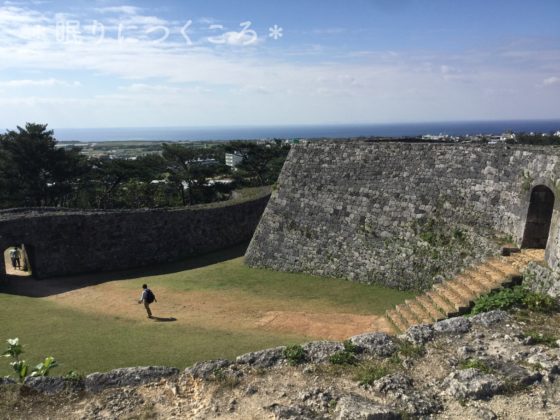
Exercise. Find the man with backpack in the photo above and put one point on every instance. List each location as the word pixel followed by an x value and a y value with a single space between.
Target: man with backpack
pixel 147 297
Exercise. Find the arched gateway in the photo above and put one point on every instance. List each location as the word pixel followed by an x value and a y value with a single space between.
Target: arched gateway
pixel 539 217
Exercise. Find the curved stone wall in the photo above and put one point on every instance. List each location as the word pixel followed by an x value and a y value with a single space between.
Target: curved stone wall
pixel 62 242
pixel 400 214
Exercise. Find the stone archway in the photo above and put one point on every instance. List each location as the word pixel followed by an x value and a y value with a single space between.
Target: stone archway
pixel 539 217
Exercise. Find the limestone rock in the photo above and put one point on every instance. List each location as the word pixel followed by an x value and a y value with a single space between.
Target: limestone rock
pixel 396 382
pixel 471 384
pixel 419 334
pixel 262 359
pixel 320 351
pixel 354 407
pixel 489 318
pixel 52 385
pixel 204 370
pixel 459 325
pixel 378 343
pixel 96 382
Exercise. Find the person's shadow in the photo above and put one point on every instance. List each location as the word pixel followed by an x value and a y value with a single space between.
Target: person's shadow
pixel 159 319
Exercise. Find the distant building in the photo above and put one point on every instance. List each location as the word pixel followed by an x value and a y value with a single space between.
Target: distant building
pixel 233 159
pixel 557 134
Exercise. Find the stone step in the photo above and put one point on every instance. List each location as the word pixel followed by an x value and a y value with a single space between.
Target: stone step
pixel 492 274
pixel 429 306
pixel 475 287
pixel 461 290
pixel 483 280
pixel 504 267
pixel 397 321
pixel 419 311
pixel 441 302
pixel 458 301
pixel 407 315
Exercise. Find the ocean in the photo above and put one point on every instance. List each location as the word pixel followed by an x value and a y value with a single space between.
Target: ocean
pixel 303 131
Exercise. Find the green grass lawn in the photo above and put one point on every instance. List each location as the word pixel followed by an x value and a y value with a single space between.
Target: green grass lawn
pixel 96 342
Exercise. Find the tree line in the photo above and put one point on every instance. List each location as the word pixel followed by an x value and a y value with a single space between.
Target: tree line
pixel 35 172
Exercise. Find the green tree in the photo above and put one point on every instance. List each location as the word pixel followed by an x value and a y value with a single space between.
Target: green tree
pixel 261 164
pixel 35 172
pixel 189 172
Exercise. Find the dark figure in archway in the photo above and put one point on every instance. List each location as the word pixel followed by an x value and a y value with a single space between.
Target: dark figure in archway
pixel 539 217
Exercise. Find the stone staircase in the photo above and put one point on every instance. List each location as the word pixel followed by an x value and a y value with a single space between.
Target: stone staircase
pixel 453 297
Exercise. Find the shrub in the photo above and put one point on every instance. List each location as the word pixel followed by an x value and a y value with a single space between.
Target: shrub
pixel 350 347
pixel 295 354
pixel 407 349
pixel 343 358
pixel 21 367
pixel 368 374
pixel 517 297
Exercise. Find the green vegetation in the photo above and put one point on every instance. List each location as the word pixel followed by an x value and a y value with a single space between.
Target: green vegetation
pixel 35 171
pixel 21 367
pixel 295 354
pixel 98 341
pixel 475 364
pixel 346 356
pixel 542 338
pixel 516 297
pixel 369 372
pixel 407 349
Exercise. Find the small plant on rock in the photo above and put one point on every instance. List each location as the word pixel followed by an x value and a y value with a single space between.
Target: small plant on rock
pixel 369 373
pixel 21 367
pixel 295 354
pixel 343 358
pixel 475 364
pixel 542 338
pixel 517 297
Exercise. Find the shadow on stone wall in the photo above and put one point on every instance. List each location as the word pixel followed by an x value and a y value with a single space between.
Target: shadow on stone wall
pixel 29 287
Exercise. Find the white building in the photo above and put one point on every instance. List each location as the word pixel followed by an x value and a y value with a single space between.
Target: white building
pixel 233 160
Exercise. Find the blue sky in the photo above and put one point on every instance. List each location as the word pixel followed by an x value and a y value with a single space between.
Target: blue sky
pixel 105 63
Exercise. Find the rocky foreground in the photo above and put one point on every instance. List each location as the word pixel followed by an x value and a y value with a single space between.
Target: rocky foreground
pixel 493 365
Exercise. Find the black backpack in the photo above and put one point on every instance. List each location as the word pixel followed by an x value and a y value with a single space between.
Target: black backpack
pixel 150 297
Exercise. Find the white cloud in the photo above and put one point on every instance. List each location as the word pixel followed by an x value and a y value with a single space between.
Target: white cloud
pixel 549 81
pixel 125 10
pixel 172 83
pixel 36 83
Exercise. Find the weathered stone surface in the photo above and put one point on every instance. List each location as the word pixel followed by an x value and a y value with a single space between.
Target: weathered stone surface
pixel 416 403
pixel 471 384
pixel 65 241
pixel 96 382
pixel 379 344
pixel 367 210
pixel 204 370
pixel 7 381
pixel 296 412
pixel 320 351
pixel 419 334
pixel 354 407
pixel 459 325
pixel 264 358
pixel 489 318
pixel 397 382
pixel 542 280
pixel 547 362
pixel 53 385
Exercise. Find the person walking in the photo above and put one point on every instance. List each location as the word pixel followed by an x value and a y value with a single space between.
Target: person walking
pixel 13 254
pixel 18 258
pixel 147 297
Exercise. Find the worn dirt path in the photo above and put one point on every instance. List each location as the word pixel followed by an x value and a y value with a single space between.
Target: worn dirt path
pixel 232 311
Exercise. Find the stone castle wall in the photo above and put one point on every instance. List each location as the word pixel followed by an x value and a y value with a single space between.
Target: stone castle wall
pixel 63 242
pixel 400 214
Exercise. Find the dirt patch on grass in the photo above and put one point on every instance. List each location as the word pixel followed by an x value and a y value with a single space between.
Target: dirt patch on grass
pixel 231 310
pixel 332 326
